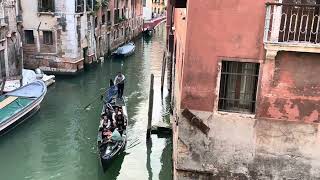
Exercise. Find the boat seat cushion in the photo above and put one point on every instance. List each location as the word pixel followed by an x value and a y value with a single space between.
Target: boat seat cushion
pixel 13 108
pixel 7 101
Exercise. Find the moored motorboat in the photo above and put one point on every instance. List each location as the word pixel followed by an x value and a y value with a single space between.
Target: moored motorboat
pixel 125 50
pixel 110 148
pixel 16 106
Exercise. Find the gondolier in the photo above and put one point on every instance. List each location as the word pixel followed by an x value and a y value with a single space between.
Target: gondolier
pixel 112 131
pixel 119 81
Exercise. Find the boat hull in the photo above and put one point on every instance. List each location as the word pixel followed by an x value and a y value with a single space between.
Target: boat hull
pixel 105 163
pixel 20 121
pixel 24 113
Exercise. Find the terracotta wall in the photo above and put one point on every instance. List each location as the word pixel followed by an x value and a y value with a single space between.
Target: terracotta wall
pixel 217 29
pixel 290 87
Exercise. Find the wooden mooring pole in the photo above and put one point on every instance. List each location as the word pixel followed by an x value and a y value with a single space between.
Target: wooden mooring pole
pixel 150 108
pixel 164 62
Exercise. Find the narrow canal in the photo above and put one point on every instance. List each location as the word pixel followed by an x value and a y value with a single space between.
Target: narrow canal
pixel 59 142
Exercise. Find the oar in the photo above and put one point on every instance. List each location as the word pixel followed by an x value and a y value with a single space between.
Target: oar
pixel 101 97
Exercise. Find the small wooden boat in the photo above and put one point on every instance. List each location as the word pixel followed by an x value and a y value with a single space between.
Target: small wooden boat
pixel 16 106
pixel 125 50
pixel 111 149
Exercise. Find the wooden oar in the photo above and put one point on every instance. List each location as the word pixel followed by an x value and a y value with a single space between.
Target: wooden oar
pixel 101 97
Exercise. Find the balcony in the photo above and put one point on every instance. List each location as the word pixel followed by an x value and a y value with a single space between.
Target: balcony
pixel 179 3
pixel 292 27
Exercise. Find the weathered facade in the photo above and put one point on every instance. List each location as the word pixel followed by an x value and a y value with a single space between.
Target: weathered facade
pixel 158 7
pixel 251 77
pixel 58 35
pixel 62 36
pixel 117 22
pixel 10 40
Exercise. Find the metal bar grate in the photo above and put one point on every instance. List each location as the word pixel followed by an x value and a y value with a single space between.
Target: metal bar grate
pixel 293 22
pixel 238 86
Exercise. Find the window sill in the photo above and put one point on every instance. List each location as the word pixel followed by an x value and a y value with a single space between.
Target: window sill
pixel 239 114
pixel 45 13
pixel 3 24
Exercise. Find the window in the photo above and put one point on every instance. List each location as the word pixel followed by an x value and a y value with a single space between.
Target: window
pixel 89 5
pixel 122 32
pixel 96 22
pixel 46 5
pixel 47 38
pixel 238 86
pixel 2 65
pixel 108 17
pixel 116 16
pixel 79 6
pixel 103 19
pixel 28 37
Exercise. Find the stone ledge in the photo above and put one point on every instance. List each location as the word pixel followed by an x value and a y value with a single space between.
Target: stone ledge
pixel 273 48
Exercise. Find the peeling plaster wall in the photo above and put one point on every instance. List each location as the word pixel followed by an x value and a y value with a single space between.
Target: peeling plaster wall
pixel 291 88
pixel 238 146
pixel 66 53
pixel 70 36
pixel 10 44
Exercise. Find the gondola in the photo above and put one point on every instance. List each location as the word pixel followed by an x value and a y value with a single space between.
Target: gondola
pixel 18 105
pixel 109 150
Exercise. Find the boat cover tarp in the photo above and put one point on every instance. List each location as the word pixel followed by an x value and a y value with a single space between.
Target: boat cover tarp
pixel 126 49
pixel 111 93
pixel 13 108
pixel 32 90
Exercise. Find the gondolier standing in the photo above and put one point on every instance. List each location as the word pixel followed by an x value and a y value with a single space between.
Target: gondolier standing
pixel 119 81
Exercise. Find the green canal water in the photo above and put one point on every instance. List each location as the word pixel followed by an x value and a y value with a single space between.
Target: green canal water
pixel 59 142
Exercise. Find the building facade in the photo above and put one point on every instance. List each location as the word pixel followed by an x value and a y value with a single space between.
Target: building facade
pixel 158 7
pixel 252 83
pixel 10 41
pixel 147 9
pixel 58 35
pixel 117 22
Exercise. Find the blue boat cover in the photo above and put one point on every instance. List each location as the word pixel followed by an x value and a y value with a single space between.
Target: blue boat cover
pixel 32 90
pixel 111 93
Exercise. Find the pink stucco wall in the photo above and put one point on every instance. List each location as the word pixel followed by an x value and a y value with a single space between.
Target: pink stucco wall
pixel 217 29
pixel 290 88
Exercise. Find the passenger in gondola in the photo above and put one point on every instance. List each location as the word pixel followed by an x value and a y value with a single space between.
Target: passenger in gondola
pixel 120 123
pixel 108 111
pixel 106 135
pixel 116 136
pixel 115 113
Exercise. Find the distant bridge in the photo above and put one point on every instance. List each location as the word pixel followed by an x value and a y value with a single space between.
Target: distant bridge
pixel 150 25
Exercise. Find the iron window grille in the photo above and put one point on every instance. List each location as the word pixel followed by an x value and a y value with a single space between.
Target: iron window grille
pixel 238 87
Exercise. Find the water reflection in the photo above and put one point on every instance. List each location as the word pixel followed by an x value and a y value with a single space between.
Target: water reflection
pixel 60 141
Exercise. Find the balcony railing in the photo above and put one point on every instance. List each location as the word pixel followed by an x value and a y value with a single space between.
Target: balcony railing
pixel 292 23
pixel 292 27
